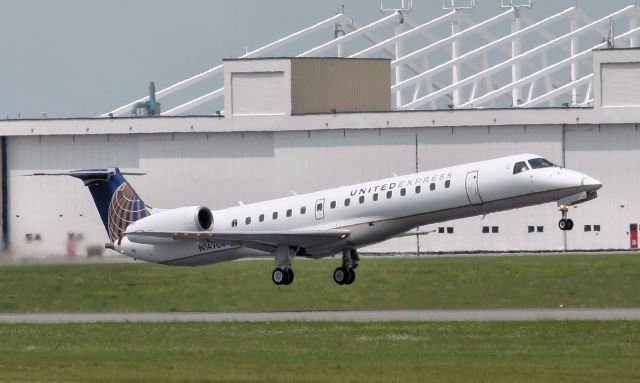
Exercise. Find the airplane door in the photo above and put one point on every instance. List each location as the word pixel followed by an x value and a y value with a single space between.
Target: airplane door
pixel 320 208
pixel 472 188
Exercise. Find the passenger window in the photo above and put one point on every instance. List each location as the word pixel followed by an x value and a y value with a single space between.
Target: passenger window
pixel 303 210
pixel 389 194
pixel 347 202
pixel 333 204
pixel 520 167
pixel 403 192
pixel 375 196
pixel 274 215
pixel 247 220
pixel 234 223
pixel 418 189
pixel 289 212
pixel 319 206
pixel 261 218
pixel 447 183
pixel 361 199
pixel 432 187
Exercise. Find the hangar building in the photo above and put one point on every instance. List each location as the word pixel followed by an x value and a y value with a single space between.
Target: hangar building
pixel 337 114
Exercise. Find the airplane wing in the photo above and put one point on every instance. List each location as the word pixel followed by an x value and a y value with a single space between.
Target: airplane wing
pixel 260 240
pixel 413 233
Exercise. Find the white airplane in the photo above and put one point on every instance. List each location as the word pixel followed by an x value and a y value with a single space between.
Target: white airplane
pixel 331 221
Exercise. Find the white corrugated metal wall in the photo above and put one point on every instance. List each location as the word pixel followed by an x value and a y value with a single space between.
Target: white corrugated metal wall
pixel 219 169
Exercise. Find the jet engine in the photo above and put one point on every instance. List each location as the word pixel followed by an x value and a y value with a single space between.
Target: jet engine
pixel 191 218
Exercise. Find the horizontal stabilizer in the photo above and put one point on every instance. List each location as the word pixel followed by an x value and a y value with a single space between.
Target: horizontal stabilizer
pixel 117 203
pixel 86 173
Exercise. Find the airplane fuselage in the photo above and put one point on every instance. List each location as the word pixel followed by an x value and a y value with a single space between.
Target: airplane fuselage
pixel 375 211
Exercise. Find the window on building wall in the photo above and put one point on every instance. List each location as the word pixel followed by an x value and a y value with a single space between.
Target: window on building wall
pixel 234 223
pixel 432 187
pixel 375 196
pixel 347 202
pixel 403 192
pixel 449 230
pixel 447 183
pixel 596 227
pixel 361 199
pixel 261 218
pixel 441 230
pixel 531 229
pixel 485 229
pixel 587 227
pixel 418 189
pixel 495 229
pixel 289 212
pixel 303 210
pixel 247 220
pixel 540 229
pixel 274 215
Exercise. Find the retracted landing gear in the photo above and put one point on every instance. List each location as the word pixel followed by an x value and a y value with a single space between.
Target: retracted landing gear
pixel 565 223
pixel 345 274
pixel 283 274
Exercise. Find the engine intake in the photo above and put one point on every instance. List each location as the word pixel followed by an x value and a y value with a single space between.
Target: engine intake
pixel 191 218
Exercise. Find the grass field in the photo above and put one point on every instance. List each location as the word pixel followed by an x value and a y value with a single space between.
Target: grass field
pixel 321 352
pixel 408 283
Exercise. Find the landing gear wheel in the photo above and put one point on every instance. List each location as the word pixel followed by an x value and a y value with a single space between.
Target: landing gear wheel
pixel 351 277
pixel 565 224
pixel 340 275
pixel 569 224
pixel 279 276
pixel 290 276
pixel 562 224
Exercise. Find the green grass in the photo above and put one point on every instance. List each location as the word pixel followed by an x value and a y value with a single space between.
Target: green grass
pixel 323 352
pixel 409 283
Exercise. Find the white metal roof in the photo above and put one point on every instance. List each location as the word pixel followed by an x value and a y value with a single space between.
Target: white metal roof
pixel 452 61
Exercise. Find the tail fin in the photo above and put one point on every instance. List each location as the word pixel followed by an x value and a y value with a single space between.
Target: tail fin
pixel 118 204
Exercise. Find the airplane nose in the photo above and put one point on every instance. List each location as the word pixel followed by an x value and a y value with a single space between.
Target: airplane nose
pixel 591 182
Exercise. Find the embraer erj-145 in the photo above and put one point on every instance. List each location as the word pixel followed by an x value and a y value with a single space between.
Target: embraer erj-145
pixel 331 221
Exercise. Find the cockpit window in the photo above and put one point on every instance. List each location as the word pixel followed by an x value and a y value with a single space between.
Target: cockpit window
pixel 538 163
pixel 520 167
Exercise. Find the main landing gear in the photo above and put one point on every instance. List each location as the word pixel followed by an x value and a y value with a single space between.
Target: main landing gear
pixel 565 223
pixel 345 274
pixel 283 274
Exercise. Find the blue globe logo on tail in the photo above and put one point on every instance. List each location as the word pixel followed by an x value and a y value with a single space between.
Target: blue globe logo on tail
pixel 118 204
pixel 125 208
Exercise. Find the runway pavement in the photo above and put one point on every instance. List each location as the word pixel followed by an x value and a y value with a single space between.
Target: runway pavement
pixel 333 316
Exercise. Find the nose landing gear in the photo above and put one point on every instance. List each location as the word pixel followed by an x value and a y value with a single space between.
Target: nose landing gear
pixel 565 223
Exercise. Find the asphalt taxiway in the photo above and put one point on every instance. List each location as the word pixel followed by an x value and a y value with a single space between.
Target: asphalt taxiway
pixel 332 316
